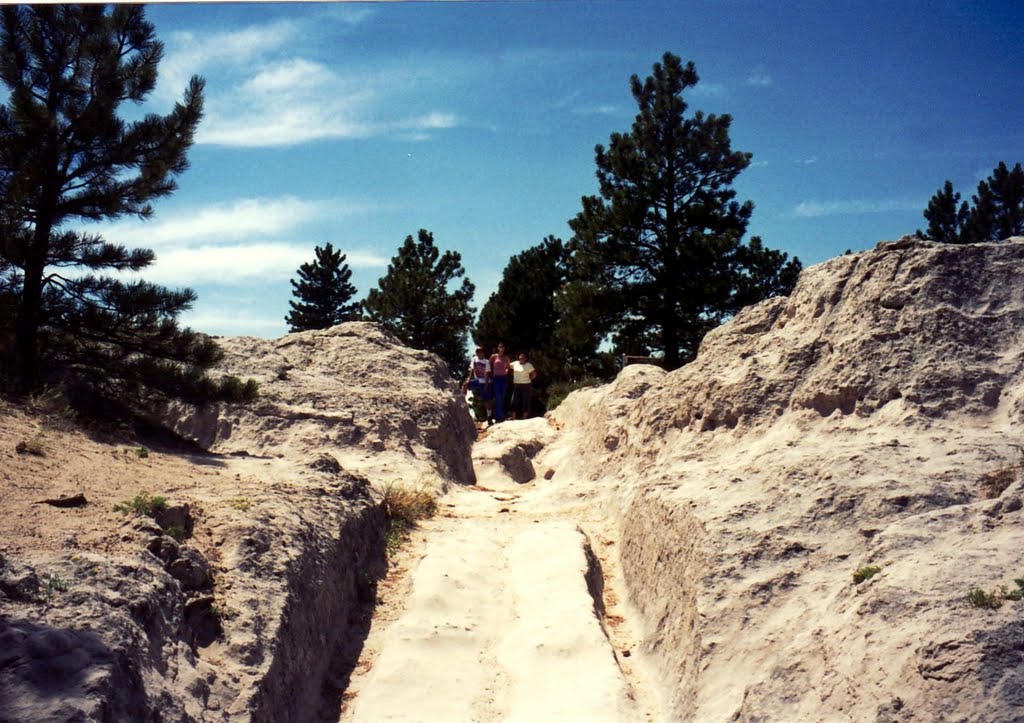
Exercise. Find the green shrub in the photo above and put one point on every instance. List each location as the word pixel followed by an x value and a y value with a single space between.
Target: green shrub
pixel 865 573
pixel 978 598
pixel 240 503
pixel 142 504
pixel 178 532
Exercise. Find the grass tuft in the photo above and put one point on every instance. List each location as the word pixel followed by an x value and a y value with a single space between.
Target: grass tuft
pixel 142 504
pixel 865 572
pixel 979 598
pixel 404 507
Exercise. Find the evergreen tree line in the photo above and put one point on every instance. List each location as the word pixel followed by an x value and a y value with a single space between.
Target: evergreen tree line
pixel 656 261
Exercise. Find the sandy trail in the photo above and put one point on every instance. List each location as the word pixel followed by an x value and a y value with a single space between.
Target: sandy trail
pixel 496 610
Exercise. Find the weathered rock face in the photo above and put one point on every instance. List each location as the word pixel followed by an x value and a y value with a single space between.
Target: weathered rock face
pixel 860 422
pixel 352 388
pixel 104 616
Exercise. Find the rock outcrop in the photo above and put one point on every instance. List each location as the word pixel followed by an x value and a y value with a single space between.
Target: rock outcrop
pixel 249 617
pixel 870 420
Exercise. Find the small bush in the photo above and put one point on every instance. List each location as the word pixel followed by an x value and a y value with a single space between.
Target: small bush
pixel 52 403
pixel 34 445
pixel 404 507
pixel 141 452
pixel 865 573
pixel 978 598
pixel 55 583
pixel 142 504
pixel 240 503
pixel 178 532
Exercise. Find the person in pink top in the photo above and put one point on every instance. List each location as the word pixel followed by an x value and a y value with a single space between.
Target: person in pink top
pixel 500 365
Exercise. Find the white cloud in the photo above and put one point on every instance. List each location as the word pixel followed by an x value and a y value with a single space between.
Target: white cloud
pixel 758 78
pixel 242 322
pixel 242 263
pixel 806 161
pixel 596 110
pixel 226 222
pixel 710 90
pixel 261 93
pixel 817 209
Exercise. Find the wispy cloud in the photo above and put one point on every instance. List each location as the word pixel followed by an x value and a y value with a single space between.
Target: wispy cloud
pixel 266 94
pixel 241 263
pixel 759 78
pixel 606 109
pixel 817 209
pixel 228 222
pixel 710 90
pixel 806 161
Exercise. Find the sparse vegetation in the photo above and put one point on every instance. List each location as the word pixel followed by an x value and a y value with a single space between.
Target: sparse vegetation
pixel 35 445
pixel 865 572
pixel 177 532
pixel 141 452
pixel 995 483
pixel 404 507
pixel 240 503
pixel 979 598
pixel 48 584
pixel 142 504
pixel 1018 593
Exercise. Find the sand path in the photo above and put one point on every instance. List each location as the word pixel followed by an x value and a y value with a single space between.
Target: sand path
pixel 497 612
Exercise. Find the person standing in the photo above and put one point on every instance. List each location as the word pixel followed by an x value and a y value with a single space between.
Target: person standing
pixel 479 384
pixel 523 373
pixel 500 364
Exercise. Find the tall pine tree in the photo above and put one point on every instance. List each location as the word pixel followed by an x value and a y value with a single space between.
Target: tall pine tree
pixel 414 302
pixel 66 156
pixel 663 239
pixel 323 292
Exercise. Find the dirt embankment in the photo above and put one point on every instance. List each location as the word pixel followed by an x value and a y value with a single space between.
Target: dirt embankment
pixel 238 603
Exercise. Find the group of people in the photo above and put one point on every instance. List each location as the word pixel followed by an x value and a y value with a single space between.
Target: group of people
pixel 495 398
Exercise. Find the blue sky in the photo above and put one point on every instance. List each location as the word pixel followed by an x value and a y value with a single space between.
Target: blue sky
pixel 360 123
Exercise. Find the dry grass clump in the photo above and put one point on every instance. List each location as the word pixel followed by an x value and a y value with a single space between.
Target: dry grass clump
pixel 404 506
pixel 994 483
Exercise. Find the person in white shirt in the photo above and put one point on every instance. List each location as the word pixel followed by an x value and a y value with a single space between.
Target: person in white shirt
pixel 523 373
pixel 479 383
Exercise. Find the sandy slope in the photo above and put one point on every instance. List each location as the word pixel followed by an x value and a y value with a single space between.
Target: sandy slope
pixel 495 617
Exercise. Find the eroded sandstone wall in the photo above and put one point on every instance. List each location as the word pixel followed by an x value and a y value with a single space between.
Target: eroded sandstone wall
pixel 852 424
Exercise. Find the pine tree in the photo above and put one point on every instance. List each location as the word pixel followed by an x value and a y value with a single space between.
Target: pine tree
pixel 664 236
pixel 323 292
pixel 996 212
pixel 66 156
pixel 521 312
pixel 413 301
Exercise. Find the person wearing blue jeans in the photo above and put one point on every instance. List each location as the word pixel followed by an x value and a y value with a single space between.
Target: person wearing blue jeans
pixel 500 364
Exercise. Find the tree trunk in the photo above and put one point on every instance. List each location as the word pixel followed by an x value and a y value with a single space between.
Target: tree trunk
pixel 26 330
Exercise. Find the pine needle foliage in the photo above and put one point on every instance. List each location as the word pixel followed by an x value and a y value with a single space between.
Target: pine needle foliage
pixel 323 292
pixel 421 301
pixel 66 157
pixel 661 243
